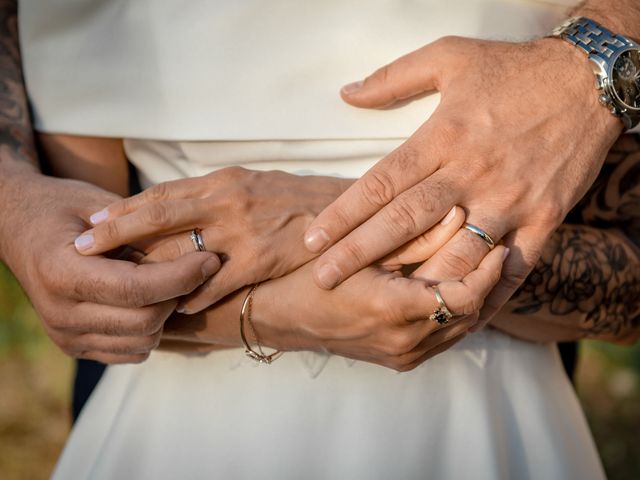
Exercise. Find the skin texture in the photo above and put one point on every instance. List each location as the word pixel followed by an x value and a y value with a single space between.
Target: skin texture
pixel 98 308
pixel 482 137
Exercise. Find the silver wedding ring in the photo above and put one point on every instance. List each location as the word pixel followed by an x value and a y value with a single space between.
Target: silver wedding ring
pixel 197 240
pixel 482 234
pixel 442 314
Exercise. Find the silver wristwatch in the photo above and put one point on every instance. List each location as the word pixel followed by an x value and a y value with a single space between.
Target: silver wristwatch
pixel 615 60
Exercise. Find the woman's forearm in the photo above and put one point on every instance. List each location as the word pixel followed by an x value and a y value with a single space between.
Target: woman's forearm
pixel 585 285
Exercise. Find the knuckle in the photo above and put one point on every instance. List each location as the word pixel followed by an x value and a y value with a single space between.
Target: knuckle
pixel 379 188
pixel 473 304
pixel 401 343
pixel 354 252
pixel 456 264
pixel 405 157
pixel 158 192
pixel 132 293
pixel 149 325
pixel 159 215
pixel 402 218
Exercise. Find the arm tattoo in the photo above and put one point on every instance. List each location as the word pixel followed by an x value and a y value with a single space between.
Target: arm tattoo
pixel 16 135
pixel 591 265
pixel 589 272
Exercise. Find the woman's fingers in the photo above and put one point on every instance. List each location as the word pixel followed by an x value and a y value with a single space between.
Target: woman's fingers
pixel 179 244
pixel 174 190
pixel 415 300
pixel 150 220
pixel 468 296
pixel 423 247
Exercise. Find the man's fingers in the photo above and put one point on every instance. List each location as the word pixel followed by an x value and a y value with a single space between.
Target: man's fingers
pixel 408 76
pixel 107 320
pixel 426 245
pixel 126 284
pixel 459 256
pixel 407 216
pixel 150 220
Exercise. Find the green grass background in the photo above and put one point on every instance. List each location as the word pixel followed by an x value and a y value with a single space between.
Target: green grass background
pixel 35 389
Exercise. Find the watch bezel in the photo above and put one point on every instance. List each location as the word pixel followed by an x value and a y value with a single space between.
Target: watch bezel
pixel 604 76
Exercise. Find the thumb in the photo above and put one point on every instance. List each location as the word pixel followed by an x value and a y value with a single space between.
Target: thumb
pixel 413 74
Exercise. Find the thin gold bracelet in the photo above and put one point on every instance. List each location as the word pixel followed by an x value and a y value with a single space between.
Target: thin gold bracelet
pixel 245 312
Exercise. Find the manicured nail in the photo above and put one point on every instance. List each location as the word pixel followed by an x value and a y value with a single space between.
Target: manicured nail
pixel 329 276
pixel 84 242
pixel 210 267
pixel 352 87
pixel 450 216
pixel 505 254
pixel 316 240
pixel 99 217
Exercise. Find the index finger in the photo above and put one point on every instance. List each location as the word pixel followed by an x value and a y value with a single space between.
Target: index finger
pixel 409 215
pixel 403 168
pixel 126 284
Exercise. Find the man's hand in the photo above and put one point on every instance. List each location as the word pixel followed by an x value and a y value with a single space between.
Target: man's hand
pixel 517 140
pixel 107 310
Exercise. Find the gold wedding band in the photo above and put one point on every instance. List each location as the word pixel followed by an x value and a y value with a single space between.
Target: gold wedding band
pixel 486 238
pixel 196 239
pixel 442 314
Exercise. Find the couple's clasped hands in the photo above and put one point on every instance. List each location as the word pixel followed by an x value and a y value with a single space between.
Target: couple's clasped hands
pixel 254 221
pixel 517 140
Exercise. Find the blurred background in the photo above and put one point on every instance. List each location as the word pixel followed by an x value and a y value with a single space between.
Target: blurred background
pixel 35 392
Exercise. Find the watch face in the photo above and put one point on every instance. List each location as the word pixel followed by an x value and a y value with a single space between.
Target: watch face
pixel 626 78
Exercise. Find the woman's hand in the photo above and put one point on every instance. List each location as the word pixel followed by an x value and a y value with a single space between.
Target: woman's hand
pixel 255 220
pixel 376 316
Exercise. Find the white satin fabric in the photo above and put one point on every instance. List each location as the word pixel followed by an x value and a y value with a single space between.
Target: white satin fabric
pixel 240 69
pixel 491 408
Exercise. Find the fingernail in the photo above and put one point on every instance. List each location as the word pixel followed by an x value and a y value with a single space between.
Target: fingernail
pixel 99 217
pixel 329 276
pixel 316 240
pixel 505 254
pixel 450 216
pixel 352 87
pixel 210 267
pixel 181 308
pixel 84 242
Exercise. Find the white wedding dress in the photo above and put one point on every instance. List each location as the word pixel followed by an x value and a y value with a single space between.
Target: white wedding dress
pixel 492 407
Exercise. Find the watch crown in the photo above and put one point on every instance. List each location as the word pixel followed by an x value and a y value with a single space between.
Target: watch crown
pixel 604 99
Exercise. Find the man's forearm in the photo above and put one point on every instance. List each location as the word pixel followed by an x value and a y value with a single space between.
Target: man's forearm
pixel 619 16
pixel 17 146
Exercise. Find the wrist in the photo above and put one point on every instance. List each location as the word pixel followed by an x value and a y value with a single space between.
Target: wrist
pixel 570 69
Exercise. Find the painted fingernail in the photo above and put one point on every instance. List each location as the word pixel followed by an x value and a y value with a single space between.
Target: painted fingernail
pixel 352 87
pixel 99 217
pixel 505 254
pixel 210 267
pixel 449 216
pixel 316 240
pixel 84 242
pixel 329 276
